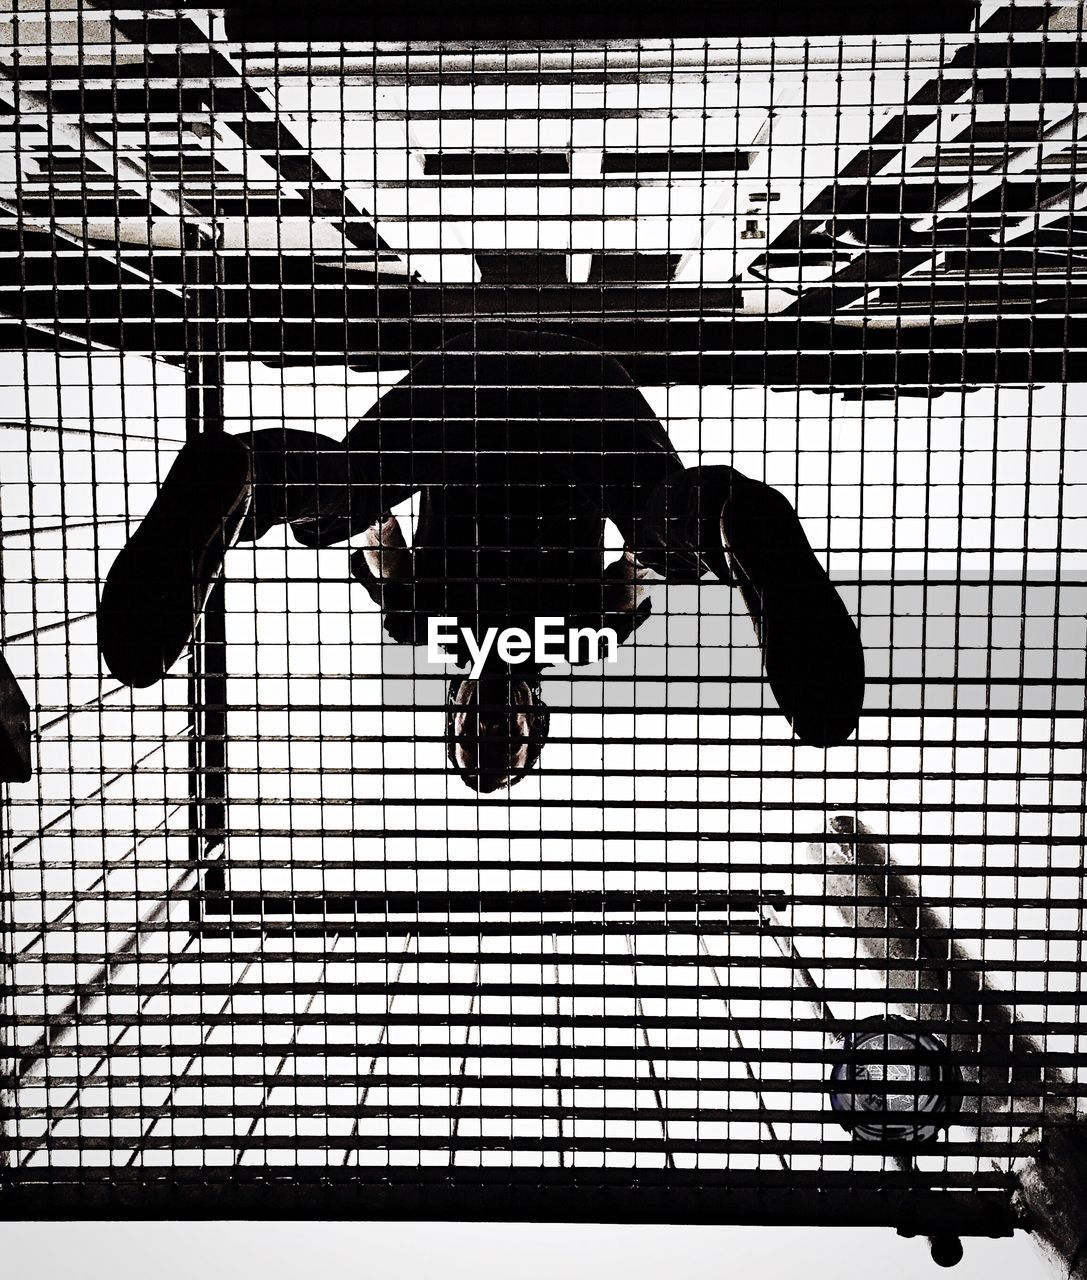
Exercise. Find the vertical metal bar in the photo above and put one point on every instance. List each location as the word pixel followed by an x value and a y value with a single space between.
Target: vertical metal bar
pixel 558 1051
pixel 364 1092
pixel 270 1087
pixel 658 1097
pixel 181 1076
pixel 749 1071
pixel 454 1130
pixel 204 414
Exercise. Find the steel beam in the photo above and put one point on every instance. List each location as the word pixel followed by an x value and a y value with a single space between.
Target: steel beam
pixel 702 1196
pixel 327 20
pixel 1014 350
pixel 245 113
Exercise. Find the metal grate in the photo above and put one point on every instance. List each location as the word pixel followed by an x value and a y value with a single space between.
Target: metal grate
pixel 264 952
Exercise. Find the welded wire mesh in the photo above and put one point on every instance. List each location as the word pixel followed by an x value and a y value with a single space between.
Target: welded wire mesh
pixel 259 937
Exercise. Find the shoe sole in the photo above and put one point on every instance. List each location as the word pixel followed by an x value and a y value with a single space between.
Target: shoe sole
pixel 157 587
pixel 812 654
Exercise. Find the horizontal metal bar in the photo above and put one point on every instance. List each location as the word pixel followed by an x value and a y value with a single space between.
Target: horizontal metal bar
pixel 241 804
pixel 512 1195
pixel 527 1145
pixel 474 902
pixel 367 796
pixel 428 1074
pixel 302 925
pixel 538 1111
pixel 648 901
pixel 712 838
pixel 611 927
pixel 352 928
pixel 997 1059
pixel 794 1055
pixel 677 989
pixel 603 959
pixel 550 901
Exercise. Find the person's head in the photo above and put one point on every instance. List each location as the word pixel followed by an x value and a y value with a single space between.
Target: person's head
pixel 496 728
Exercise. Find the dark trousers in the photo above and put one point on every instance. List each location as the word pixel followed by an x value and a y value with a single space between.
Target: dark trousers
pixel 501 412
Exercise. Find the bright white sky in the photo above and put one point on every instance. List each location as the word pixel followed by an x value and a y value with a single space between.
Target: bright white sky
pixel 489 1251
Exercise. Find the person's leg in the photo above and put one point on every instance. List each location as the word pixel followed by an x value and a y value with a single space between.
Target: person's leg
pixel 678 528
pixel 226 487
pixel 296 476
pixel 326 489
pixel 810 645
pixel 159 583
pixel 749 534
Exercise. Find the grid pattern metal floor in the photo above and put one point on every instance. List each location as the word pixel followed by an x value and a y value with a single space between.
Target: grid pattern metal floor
pixel 263 950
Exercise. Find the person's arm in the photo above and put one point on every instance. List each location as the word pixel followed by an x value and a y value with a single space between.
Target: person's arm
pixel 386 552
pixel 384 566
pixel 626 602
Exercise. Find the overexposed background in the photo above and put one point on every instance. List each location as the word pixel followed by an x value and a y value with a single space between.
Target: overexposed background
pixel 487 1251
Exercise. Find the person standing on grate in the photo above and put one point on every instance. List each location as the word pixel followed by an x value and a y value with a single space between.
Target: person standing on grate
pixel 520 445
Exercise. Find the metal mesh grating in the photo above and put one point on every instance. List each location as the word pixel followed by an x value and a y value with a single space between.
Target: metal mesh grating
pixel 263 949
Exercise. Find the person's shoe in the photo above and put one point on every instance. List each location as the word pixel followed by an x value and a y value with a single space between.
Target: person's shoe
pixel 158 585
pixel 811 649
